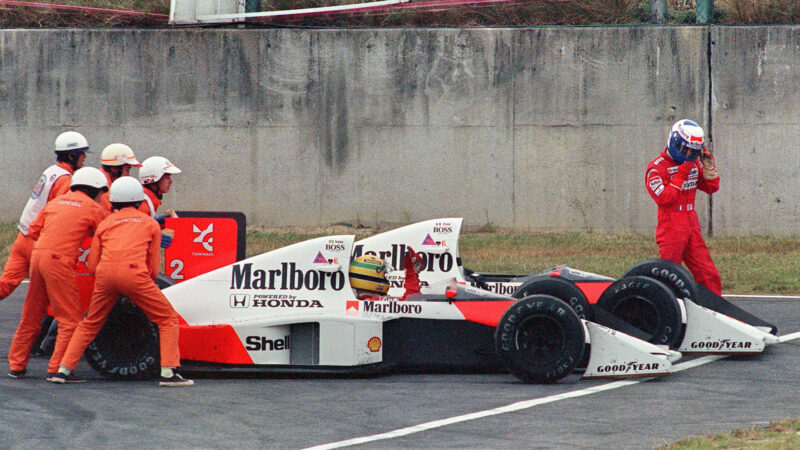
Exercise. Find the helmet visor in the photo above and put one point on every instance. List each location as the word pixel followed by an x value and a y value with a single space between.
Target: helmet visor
pixel 690 150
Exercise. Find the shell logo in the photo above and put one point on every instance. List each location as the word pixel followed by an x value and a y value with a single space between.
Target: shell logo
pixel 374 344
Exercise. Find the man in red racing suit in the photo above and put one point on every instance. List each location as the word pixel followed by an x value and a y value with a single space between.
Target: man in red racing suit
pixel 672 179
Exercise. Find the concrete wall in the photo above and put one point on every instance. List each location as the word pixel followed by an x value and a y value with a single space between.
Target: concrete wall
pixel 534 129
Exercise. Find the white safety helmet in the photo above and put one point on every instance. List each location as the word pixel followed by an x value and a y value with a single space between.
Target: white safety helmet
pixel 126 190
pixel 154 167
pixel 89 176
pixel 71 141
pixel 118 155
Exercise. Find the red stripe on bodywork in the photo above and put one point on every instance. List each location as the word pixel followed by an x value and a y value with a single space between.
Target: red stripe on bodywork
pixel 485 312
pixel 212 343
pixel 593 289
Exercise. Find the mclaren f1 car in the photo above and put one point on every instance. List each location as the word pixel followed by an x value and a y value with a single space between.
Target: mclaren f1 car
pixel 292 310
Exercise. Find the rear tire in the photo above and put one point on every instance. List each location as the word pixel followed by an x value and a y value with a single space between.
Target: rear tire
pixel 648 305
pixel 127 347
pixel 674 275
pixel 540 339
pixel 559 288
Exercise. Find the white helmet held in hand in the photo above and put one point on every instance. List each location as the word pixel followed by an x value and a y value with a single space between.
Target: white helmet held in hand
pixel 118 155
pixel 89 176
pixel 154 167
pixel 71 141
pixel 126 190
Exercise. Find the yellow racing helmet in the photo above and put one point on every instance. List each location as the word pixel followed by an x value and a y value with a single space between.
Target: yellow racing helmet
pixel 368 273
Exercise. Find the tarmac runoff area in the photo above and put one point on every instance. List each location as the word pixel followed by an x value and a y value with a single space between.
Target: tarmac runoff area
pixel 708 394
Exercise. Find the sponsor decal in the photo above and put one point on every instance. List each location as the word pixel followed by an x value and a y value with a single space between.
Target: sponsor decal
pixel 202 237
pixel 287 277
pixel 374 344
pixel 430 262
pixel 498 287
pixel 428 240
pixel 320 259
pixel 632 366
pixel 351 307
pixel 239 300
pixel 689 184
pixel 392 307
pixel 37 190
pixel 655 183
pixel 659 190
pixel 283 301
pixel 442 228
pixel 264 344
pixel 674 279
pixel 330 246
pixel 84 254
pixel 722 344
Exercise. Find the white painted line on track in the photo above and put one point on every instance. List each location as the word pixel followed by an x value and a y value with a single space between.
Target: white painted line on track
pixel 769 297
pixel 521 405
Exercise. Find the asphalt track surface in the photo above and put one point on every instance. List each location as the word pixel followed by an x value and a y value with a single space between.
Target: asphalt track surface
pixel 706 395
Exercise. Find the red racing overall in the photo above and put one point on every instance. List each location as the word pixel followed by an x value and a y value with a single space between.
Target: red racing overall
pixel 673 187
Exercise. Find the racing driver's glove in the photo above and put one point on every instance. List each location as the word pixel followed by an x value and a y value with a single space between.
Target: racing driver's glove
pixel 709 165
pixel 412 263
pixel 683 173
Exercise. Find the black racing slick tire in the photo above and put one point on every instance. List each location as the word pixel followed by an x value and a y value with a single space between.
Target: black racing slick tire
pixel 127 347
pixel 674 275
pixel 558 288
pixel 648 305
pixel 540 339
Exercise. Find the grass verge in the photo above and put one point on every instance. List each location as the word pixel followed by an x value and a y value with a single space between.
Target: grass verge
pixel 777 435
pixel 748 265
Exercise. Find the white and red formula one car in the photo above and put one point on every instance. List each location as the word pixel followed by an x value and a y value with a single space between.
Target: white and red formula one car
pixel 292 310
pixel 656 300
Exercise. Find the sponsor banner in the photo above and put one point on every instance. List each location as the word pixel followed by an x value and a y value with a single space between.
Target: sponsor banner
pixel 202 244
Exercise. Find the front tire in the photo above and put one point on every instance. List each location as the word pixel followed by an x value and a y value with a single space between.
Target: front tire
pixel 540 339
pixel 127 347
pixel 559 288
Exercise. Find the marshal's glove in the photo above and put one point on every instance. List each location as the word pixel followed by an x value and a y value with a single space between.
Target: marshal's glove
pixel 166 238
pixel 170 213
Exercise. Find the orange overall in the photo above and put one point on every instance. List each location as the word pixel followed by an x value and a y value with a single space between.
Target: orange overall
pixel 145 207
pixel 19 258
pixel 125 258
pixel 104 201
pixel 59 229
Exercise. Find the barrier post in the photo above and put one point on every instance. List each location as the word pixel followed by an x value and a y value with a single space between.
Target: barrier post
pixel 705 11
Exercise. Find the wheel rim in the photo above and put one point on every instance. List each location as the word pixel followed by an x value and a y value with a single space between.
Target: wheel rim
pixel 639 312
pixel 540 339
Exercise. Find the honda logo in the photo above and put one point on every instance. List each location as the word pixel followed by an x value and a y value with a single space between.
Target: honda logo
pixel 240 300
